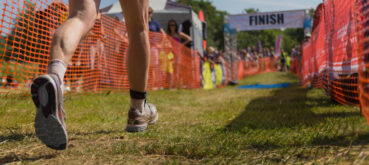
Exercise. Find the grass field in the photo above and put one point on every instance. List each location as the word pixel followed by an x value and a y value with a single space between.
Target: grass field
pixel 19 71
pixel 222 126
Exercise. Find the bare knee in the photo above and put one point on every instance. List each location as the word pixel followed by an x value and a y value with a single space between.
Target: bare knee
pixel 86 16
pixel 138 31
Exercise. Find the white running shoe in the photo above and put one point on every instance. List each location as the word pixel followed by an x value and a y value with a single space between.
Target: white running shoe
pixel 49 121
pixel 138 120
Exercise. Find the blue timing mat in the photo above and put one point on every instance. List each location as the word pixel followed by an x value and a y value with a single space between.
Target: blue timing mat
pixel 263 86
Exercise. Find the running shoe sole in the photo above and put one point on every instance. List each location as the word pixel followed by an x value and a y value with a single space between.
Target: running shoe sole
pixel 142 127
pixel 48 122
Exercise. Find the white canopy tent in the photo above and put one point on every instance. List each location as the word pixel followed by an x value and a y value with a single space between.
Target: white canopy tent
pixel 165 10
pixel 115 9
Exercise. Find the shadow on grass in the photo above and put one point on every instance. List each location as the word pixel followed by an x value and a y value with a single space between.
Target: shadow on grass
pixel 290 107
pixel 99 132
pixel 343 140
pixel 14 137
pixel 284 108
pixel 15 158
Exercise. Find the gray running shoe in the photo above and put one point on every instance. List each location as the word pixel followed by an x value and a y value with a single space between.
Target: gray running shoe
pixel 49 121
pixel 138 121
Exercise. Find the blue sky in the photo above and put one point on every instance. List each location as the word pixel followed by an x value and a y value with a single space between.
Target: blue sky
pixel 237 6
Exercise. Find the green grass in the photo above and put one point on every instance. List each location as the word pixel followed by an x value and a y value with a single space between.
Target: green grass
pixel 223 126
pixel 20 71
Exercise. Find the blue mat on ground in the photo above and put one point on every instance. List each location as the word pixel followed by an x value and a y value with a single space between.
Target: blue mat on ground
pixel 264 86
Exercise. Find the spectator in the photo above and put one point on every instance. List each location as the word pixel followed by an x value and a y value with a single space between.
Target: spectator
pixel 154 26
pixel 175 34
pixel 156 41
pixel 271 58
pixel 272 52
pixel 219 58
pixel 211 54
pixel 283 60
pixel 220 68
pixel 185 27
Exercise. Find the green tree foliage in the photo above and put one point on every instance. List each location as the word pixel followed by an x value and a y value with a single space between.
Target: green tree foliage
pixel 251 10
pixel 22 36
pixel 4 49
pixel 291 37
pixel 250 38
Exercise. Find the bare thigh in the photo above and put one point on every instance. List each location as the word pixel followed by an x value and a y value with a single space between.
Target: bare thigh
pixel 82 16
pixel 136 15
pixel 85 10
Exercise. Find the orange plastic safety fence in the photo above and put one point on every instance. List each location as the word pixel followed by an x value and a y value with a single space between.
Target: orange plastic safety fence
pixel 262 65
pixel 363 29
pixel 99 61
pixel 245 68
pixel 295 65
pixel 330 57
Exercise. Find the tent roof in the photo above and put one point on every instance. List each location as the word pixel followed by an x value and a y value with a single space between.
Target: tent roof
pixel 161 6
pixel 115 8
pixel 170 5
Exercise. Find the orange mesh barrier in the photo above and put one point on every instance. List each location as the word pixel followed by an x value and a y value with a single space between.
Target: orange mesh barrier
pixel 262 65
pixel 98 63
pixel 363 29
pixel 330 57
pixel 295 65
pixel 245 68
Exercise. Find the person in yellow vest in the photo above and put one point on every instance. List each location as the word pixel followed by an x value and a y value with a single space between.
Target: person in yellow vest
pixel 219 68
pixel 288 63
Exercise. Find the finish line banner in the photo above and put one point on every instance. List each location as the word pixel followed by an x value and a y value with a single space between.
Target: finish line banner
pixel 268 20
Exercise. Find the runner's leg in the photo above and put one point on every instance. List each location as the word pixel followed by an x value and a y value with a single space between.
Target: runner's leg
pixel 46 89
pixel 136 15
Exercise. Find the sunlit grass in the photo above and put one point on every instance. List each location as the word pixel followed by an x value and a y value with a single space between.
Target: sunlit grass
pixel 227 125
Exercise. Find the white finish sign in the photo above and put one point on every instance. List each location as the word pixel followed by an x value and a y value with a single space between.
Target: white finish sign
pixel 268 20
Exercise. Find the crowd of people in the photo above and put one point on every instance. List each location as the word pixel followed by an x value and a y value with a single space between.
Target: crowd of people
pixel 254 53
pixel 284 58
